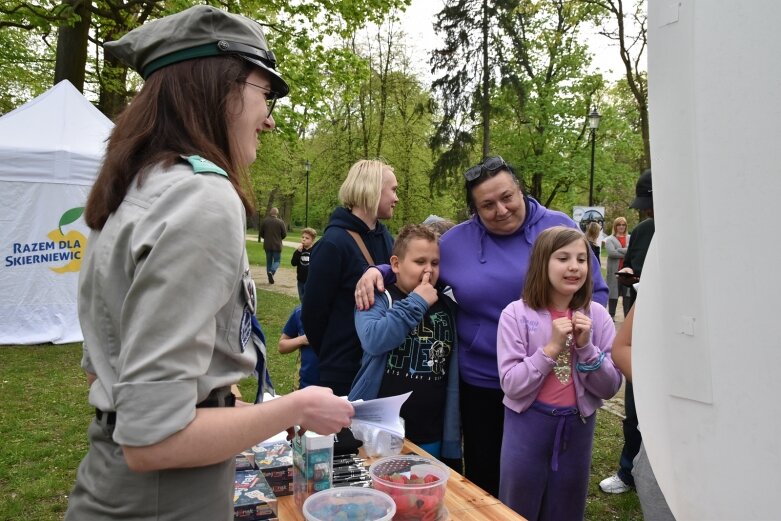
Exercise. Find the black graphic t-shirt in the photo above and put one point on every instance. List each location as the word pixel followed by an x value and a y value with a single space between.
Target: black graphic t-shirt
pixel 301 261
pixel 420 365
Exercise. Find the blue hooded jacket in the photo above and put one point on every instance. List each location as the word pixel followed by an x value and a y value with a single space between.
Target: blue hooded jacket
pixel 381 329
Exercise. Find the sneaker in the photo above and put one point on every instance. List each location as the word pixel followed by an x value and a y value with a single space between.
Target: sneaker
pixel 270 277
pixel 614 485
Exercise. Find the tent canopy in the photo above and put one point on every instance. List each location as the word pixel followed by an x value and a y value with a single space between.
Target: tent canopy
pixel 51 149
pixel 58 137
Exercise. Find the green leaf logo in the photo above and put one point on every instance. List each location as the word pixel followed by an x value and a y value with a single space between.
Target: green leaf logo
pixel 70 216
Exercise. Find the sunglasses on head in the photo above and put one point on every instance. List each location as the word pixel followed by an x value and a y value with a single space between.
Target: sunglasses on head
pixel 490 165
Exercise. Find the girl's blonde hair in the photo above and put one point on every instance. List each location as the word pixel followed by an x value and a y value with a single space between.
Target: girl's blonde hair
pixel 537 288
pixel 592 231
pixel 616 222
pixel 363 186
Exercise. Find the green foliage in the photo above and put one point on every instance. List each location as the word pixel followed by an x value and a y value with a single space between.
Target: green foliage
pixel 354 94
pixel 27 62
pixel 273 311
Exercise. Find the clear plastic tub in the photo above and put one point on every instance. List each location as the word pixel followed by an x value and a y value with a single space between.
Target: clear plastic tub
pixel 416 484
pixel 349 503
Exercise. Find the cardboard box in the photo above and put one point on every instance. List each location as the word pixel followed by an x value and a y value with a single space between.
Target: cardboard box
pixel 253 499
pixel 275 461
pixel 281 488
pixel 245 461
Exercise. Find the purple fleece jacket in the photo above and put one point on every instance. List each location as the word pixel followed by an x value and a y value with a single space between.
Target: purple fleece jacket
pixel 487 272
pixel 524 332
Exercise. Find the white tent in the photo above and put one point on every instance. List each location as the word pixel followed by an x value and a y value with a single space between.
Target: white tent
pixel 50 154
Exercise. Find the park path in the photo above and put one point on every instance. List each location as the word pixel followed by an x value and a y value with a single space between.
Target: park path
pixel 285 278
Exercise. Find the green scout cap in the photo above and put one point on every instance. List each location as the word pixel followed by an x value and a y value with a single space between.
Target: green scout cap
pixel 197 32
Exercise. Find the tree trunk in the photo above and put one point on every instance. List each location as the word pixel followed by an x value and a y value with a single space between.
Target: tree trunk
pixel 72 41
pixel 113 96
pixel 270 202
pixel 486 98
pixel 286 211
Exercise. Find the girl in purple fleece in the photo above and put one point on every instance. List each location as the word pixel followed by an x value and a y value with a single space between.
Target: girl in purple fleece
pixel 555 368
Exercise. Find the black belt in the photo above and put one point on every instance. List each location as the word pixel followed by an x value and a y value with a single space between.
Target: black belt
pixel 111 417
pixel 220 397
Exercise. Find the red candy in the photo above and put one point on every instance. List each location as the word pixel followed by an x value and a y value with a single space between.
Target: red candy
pixel 422 504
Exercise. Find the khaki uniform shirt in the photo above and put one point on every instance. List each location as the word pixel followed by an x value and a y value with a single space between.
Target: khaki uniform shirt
pixel 165 301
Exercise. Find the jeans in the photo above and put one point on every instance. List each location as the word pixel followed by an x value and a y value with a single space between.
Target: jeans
pixel 272 261
pixel 632 437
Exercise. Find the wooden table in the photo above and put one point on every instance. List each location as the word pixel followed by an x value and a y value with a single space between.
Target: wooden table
pixel 464 500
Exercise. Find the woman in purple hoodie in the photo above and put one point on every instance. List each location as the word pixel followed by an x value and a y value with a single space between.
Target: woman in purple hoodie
pixel 484 259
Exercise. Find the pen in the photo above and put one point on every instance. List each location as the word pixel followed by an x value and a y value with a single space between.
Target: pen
pixel 352 481
pixel 350 460
pixel 364 484
pixel 344 475
pixel 344 468
pixel 346 456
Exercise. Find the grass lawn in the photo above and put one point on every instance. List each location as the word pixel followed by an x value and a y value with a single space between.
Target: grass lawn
pixel 44 416
pixel 257 256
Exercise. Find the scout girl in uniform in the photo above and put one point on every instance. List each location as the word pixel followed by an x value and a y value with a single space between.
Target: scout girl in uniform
pixel 166 300
pixel 553 354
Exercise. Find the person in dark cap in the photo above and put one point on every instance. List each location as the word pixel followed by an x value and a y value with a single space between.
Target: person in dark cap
pixel 639 242
pixel 168 309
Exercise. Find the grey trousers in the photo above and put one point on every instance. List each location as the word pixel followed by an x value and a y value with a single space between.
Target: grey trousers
pixel 107 489
pixel 651 498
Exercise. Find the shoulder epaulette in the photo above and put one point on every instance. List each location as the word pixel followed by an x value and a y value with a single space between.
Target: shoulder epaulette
pixel 204 166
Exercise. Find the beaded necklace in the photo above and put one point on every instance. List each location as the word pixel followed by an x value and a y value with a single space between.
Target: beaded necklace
pixel 563 367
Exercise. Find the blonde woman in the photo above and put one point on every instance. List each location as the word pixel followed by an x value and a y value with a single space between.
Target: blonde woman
pixel 616 245
pixel 337 262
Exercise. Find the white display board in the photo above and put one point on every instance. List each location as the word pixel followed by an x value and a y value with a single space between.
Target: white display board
pixel 706 353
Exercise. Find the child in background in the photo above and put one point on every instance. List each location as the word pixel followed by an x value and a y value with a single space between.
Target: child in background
pixel 555 368
pixel 409 342
pixel 301 258
pixel 593 231
pixel 293 338
pixel 438 224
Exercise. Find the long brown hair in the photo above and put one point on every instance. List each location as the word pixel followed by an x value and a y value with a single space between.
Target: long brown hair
pixel 537 288
pixel 181 110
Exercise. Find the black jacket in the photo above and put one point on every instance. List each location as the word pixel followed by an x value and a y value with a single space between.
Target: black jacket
pixel 639 241
pixel 327 310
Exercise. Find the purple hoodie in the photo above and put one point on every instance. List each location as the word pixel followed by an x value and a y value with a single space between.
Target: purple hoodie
pixel 487 272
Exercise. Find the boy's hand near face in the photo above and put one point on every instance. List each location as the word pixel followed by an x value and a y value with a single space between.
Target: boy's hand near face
pixel 426 290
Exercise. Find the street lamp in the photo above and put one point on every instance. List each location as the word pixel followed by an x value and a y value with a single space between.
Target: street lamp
pixel 593 124
pixel 307 166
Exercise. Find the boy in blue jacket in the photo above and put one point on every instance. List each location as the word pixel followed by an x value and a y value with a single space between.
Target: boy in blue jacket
pixel 409 342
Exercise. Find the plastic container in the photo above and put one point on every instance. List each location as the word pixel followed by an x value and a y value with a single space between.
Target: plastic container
pixel 349 503
pixel 313 457
pixel 416 484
